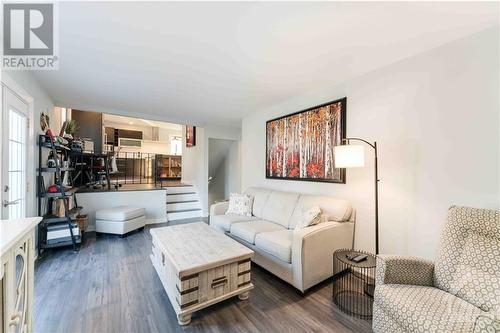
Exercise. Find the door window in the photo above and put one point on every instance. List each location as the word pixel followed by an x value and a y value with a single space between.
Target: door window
pixel 15 132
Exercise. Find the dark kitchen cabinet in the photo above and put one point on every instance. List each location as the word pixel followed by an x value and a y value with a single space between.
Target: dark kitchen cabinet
pixel 129 134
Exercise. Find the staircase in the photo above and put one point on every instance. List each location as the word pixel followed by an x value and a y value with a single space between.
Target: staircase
pixel 182 202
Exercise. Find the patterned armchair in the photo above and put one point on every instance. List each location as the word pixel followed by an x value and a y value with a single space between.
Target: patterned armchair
pixel 460 292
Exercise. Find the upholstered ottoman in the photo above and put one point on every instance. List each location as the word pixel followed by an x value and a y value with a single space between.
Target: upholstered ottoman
pixel 119 220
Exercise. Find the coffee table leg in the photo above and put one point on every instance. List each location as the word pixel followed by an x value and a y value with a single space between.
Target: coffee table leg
pixel 184 319
pixel 244 296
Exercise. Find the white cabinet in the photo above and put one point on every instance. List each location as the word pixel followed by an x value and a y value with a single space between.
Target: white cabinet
pixel 17 251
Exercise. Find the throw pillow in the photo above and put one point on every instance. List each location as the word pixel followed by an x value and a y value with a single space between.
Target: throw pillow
pixel 310 217
pixel 240 204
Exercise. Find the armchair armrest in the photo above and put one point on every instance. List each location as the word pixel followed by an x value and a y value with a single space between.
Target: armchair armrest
pixel 312 251
pixel 404 270
pixel 219 208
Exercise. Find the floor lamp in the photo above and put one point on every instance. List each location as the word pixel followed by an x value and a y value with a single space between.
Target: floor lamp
pixel 352 156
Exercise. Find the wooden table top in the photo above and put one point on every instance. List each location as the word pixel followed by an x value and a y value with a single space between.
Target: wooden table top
pixel 196 247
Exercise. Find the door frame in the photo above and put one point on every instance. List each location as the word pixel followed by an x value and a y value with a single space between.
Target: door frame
pixel 8 83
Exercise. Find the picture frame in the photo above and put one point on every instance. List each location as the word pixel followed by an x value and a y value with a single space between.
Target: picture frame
pixel 190 136
pixel 299 146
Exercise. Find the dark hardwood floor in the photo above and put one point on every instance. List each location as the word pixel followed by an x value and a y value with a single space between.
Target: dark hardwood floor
pixel 111 286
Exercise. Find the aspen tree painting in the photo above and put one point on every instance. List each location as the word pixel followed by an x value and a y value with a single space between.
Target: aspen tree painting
pixel 299 146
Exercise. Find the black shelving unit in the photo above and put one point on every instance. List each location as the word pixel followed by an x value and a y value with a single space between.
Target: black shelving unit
pixel 59 152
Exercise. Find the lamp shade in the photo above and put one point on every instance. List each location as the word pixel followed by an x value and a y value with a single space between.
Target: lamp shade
pixel 349 156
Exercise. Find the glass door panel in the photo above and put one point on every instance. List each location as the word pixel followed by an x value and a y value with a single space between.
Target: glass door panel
pixel 14 138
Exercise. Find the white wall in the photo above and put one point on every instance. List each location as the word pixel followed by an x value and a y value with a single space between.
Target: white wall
pixel 41 103
pixel 435 117
pixel 232 181
pixel 195 159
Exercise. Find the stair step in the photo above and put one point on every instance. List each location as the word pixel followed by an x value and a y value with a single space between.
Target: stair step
pixel 181 201
pixel 181 197
pixel 183 210
pixel 181 193
pixel 179 215
pixel 182 205
pixel 179 189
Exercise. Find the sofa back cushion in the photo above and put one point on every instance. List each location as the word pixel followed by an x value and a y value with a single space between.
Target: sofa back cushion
pixel 333 209
pixel 260 196
pixel 468 260
pixel 279 207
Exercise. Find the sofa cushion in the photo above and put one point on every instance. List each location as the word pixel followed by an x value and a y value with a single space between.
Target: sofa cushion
pixel 223 222
pixel 260 196
pixel 248 230
pixel 425 309
pixel 277 243
pixel 119 213
pixel 332 209
pixel 279 207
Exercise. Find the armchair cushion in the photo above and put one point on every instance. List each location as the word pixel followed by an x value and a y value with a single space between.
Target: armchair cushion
pixel 468 260
pixel 478 281
pixel 224 222
pixel 276 243
pixel 248 230
pixel 404 270
pixel 487 324
pixel 423 309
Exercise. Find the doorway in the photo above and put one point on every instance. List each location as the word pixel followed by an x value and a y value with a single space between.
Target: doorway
pixel 223 169
pixel 14 175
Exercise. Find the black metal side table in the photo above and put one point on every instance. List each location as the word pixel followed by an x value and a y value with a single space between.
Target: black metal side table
pixel 354 283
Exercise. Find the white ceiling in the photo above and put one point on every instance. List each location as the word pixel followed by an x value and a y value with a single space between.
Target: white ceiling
pixel 205 63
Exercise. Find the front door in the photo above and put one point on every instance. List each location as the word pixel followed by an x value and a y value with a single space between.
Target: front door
pixel 14 155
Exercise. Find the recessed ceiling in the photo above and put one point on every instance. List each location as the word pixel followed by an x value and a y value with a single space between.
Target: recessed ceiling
pixel 212 63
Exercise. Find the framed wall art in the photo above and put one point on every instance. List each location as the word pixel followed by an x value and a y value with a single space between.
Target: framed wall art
pixel 190 136
pixel 299 146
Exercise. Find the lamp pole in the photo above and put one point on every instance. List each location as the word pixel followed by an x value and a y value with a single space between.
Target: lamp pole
pixel 374 146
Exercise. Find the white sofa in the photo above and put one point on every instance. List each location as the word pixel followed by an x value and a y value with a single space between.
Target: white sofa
pixel 302 258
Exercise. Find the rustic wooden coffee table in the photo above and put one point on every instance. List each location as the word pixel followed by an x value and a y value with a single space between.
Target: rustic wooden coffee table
pixel 199 266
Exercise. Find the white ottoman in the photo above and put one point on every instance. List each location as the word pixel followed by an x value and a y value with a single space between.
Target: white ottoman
pixel 119 220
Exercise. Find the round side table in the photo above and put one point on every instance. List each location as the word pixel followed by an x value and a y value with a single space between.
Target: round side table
pixel 354 283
